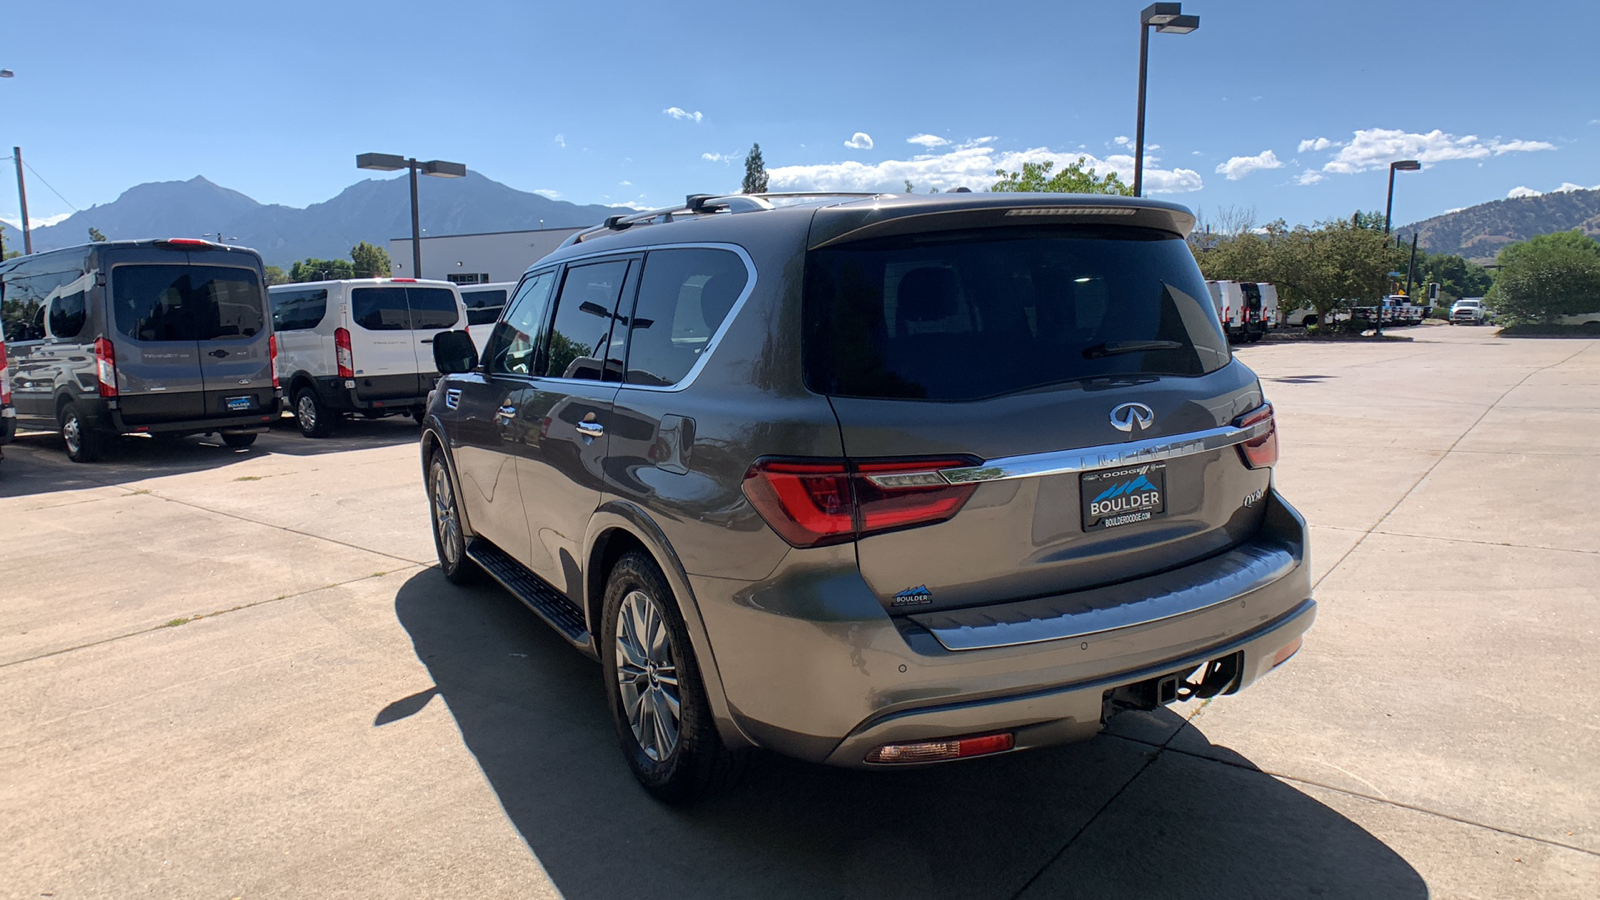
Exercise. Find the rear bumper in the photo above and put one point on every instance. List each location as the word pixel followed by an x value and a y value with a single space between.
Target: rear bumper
pixel 814 668
pixel 8 424
pixel 258 421
pixel 386 393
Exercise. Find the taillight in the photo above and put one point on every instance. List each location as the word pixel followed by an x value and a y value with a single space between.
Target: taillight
pixel 272 351
pixel 812 503
pixel 1227 313
pixel 105 367
pixel 1260 452
pixel 5 377
pixel 342 353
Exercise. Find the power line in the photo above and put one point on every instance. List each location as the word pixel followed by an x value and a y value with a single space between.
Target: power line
pixel 48 185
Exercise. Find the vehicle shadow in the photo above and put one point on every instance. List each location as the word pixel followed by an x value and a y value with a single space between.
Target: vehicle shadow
pixel 36 462
pixel 531 711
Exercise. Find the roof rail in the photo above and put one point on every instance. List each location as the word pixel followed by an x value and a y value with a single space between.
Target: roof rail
pixel 706 204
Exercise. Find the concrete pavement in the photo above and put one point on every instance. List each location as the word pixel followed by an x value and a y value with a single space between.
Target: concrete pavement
pixel 339 720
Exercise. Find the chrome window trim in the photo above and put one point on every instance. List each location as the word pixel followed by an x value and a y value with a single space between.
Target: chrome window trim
pixel 1106 456
pixel 716 337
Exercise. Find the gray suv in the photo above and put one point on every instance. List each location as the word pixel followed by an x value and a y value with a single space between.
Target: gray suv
pixel 161 337
pixel 872 481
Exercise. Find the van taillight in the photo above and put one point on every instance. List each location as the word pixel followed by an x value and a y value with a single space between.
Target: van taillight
pixel 1260 452
pixel 105 367
pixel 5 377
pixel 272 351
pixel 342 353
pixel 812 503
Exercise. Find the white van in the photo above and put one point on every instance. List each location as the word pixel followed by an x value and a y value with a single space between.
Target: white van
pixel 1242 307
pixel 484 303
pixel 360 345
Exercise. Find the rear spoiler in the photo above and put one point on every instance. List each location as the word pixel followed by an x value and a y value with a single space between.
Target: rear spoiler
pixel 891 215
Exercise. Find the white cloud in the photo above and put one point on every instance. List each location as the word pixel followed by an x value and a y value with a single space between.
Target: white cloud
pixel 35 221
pixel 1314 145
pixel 1375 148
pixel 1568 187
pixel 1516 192
pixel 1454 209
pixel 970 164
pixel 561 141
pixel 927 140
pixel 548 192
pixel 1240 166
pixel 1309 176
pixel 716 157
pixel 683 114
pixel 1122 140
pixel 624 183
pixel 859 141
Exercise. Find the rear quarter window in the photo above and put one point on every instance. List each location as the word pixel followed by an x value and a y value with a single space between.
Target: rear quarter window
pixel 966 315
pixel 299 310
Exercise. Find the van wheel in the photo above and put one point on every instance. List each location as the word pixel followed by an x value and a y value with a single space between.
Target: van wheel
pixel 84 443
pixel 419 415
pixel 238 441
pixel 653 684
pixel 314 418
pixel 449 538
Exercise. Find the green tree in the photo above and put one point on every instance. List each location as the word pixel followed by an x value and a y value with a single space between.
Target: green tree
pixel 4 253
pixel 370 262
pixel 96 235
pixel 276 275
pixel 1035 177
pixel 321 270
pixel 755 172
pixel 1547 277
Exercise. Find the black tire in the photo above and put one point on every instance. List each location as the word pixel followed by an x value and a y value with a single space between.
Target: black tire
pixel 238 441
pixel 694 762
pixel 312 415
pixel 84 443
pixel 1308 320
pixel 449 536
pixel 419 415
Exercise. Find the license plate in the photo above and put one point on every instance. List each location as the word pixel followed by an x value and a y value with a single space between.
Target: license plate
pixel 1113 498
pixel 235 404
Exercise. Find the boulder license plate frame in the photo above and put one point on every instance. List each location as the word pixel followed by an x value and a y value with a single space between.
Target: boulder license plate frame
pixel 1128 495
pixel 239 404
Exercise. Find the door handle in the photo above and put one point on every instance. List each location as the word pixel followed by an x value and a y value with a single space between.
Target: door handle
pixel 218 353
pixel 591 429
pixel 427 340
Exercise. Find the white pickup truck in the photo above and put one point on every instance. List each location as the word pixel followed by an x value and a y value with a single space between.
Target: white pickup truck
pixel 1468 311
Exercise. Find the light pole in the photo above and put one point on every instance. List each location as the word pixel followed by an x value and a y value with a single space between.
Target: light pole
pixel 1167 18
pixel 388 162
pixel 22 188
pixel 1401 165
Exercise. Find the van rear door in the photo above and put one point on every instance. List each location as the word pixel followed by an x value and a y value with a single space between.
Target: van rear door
pixel 235 357
pixel 157 350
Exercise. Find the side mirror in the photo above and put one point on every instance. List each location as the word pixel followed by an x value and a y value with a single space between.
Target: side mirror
pixel 454 352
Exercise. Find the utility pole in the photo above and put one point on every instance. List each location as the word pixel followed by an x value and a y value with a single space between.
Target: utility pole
pixel 22 198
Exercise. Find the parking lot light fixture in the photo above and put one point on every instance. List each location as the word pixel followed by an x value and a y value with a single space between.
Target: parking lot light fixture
pixel 1403 165
pixel 389 162
pixel 1167 18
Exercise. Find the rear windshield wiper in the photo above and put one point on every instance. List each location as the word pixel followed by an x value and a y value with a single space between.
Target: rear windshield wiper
pixel 1114 348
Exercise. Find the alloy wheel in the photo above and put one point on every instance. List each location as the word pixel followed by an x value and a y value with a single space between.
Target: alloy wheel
pixel 306 411
pixel 647 673
pixel 444 516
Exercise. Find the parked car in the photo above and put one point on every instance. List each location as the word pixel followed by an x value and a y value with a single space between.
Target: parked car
pixel 8 413
pixel 484 303
pixel 1588 321
pixel 1243 308
pixel 360 345
pixel 163 337
pixel 1468 311
pixel 872 481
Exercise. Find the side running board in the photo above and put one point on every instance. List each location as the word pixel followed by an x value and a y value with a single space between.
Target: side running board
pixel 549 603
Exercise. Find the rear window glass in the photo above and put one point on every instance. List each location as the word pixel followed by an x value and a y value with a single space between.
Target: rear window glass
pixel 186 303
pixel 483 307
pixel 299 310
pixel 683 298
pixel 403 308
pixel 965 315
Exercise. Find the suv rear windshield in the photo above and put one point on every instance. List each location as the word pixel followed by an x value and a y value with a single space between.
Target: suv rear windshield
pixel 186 303
pixel 965 315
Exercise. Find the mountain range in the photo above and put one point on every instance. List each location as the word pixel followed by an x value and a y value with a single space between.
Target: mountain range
pixel 1478 232
pixel 372 210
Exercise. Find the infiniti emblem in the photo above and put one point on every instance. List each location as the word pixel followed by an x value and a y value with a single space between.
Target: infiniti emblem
pixel 1131 416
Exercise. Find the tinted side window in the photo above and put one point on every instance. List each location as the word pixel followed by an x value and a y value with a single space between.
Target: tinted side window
pixel 483 307
pixel 299 310
pixel 514 347
pixel 380 309
pixel 684 295
pixel 580 334
pixel 432 309
pixel 67 312
pixel 29 295
pixel 186 303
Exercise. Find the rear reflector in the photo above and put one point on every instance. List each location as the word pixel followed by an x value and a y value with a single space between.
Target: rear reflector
pixel 935 751
pixel 1260 452
pixel 812 503
pixel 404 280
pixel 1282 656
pixel 105 367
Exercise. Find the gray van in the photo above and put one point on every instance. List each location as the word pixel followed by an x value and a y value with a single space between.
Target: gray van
pixel 164 337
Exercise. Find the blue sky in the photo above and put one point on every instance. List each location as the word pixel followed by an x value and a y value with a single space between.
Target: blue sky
pixel 1290 109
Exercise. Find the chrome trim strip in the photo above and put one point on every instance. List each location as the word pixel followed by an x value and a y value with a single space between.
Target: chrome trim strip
pixel 1200 586
pixel 1106 456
